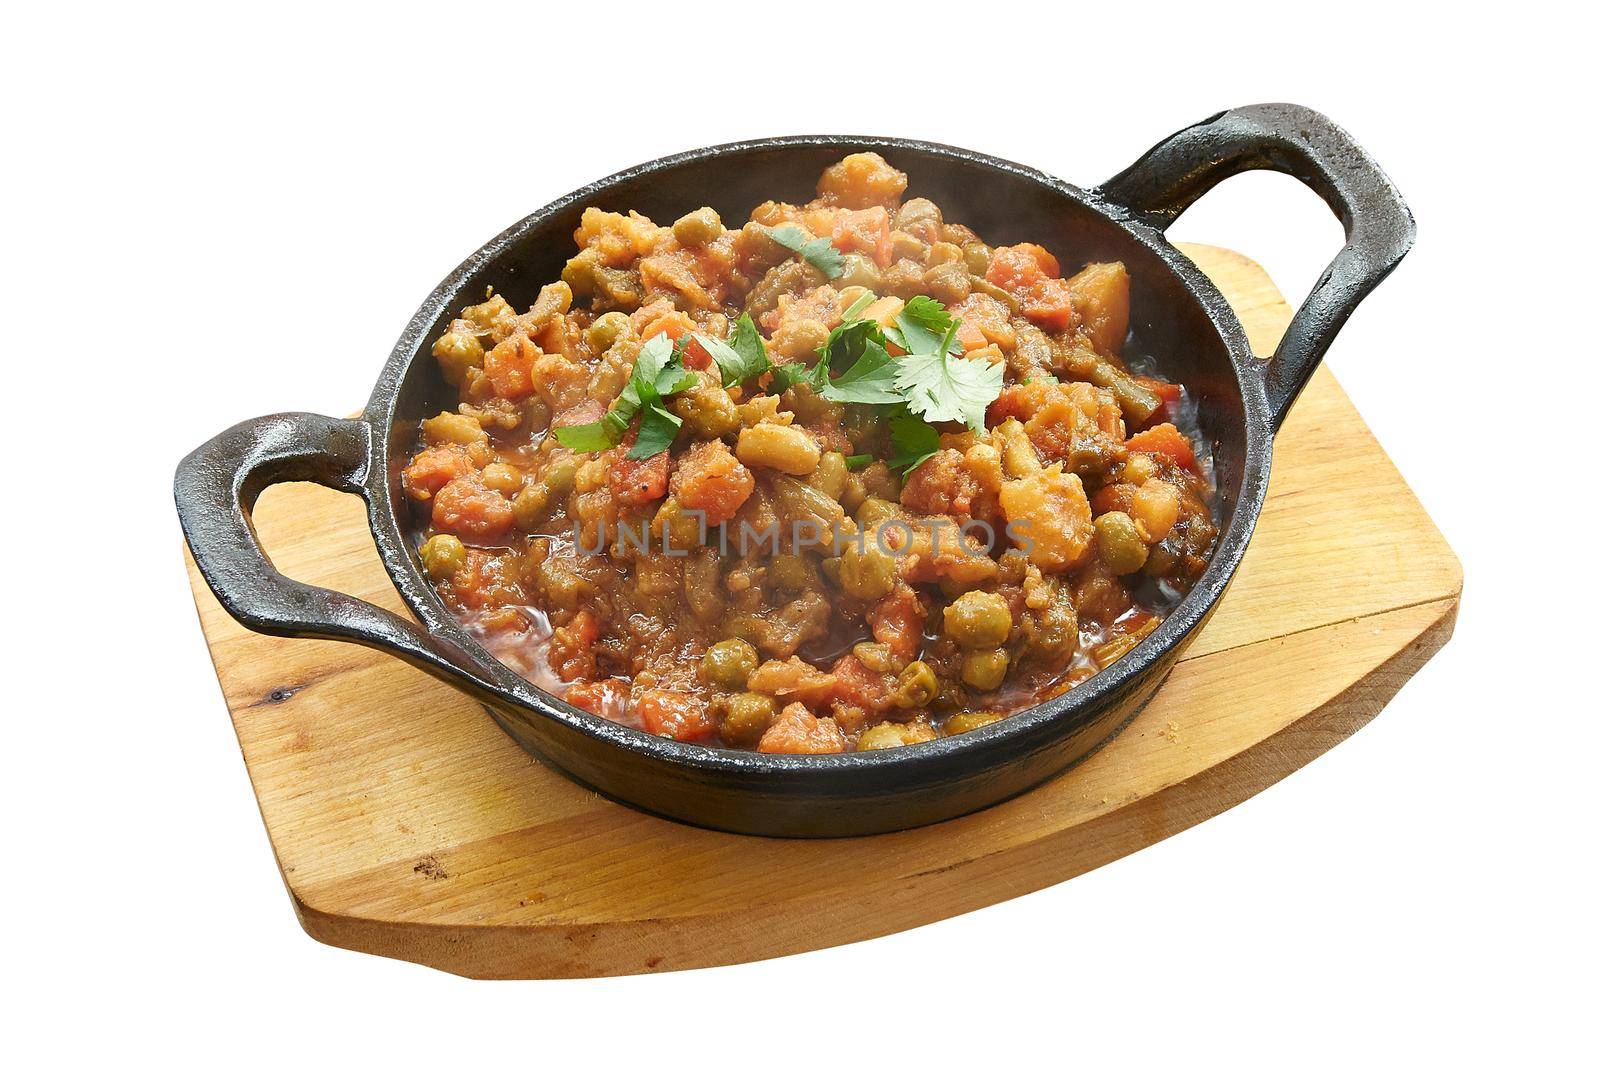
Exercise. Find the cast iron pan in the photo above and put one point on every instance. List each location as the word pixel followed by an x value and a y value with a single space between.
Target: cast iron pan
pixel 1177 314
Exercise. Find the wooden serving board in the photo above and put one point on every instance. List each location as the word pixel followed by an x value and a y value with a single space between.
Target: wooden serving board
pixel 407 824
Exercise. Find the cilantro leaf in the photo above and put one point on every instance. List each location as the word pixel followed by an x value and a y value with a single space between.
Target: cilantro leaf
pixel 742 356
pixel 587 437
pixel 913 440
pixel 788 375
pixel 870 379
pixel 920 325
pixel 658 428
pixel 657 372
pixel 818 251
pixel 938 384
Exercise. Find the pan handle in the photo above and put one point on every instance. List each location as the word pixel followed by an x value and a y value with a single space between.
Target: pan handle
pixel 217 485
pixel 1378 226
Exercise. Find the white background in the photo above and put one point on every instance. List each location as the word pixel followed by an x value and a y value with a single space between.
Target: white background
pixel 213 214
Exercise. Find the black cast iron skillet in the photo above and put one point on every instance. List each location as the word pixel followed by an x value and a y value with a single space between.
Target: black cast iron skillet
pixel 1177 314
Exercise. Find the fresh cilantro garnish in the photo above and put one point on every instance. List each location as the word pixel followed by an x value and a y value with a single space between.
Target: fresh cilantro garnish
pixel 742 356
pixel 588 437
pixel 658 373
pixel 857 345
pixel 870 379
pixel 658 428
pixel 788 375
pixel 818 251
pixel 913 440
pixel 857 462
pixel 937 383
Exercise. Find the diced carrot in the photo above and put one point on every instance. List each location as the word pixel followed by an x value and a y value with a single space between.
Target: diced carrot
pixel 709 480
pixel 1033 276
pixel 1049 304
pixel 970 336
pixel 1116 497
pixel 673 714
pixel 1165 440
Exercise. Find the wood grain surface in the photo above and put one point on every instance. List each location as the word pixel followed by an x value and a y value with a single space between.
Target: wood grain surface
pixel 406 824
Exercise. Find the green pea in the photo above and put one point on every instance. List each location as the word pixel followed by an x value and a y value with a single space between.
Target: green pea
pixel 917 686
pixel 967 721
pixel 866 575
pixel 985 670
pixel 874 511
pixel 976 255
pixel 860 271
pixel 560 476
pixel 456 352
pixel 607 330
pixel 443 555
pixel 528 506
pixel 745 716
pixel 1120 545
pixel 978 620
pixel 830 474
pixel 698 227
pixel 729 663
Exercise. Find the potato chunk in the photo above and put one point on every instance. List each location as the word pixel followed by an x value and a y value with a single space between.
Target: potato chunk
pixel 864 179
pixel 1048 517
pixel 1100 297
pixel 788 449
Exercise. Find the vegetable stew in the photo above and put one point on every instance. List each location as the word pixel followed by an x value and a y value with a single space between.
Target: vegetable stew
pixel 845 477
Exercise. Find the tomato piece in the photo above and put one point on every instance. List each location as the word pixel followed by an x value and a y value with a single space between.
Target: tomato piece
pixel 636 481
pixel 696 357
pixel 1170 393
pixel 469 508
pixel 863 231
pixel 799 732
pixel 509 366
pixel 572 647
pixel 896 622
pixel 857 684
pixel 608 698
pixel 433 469
pixel 673 714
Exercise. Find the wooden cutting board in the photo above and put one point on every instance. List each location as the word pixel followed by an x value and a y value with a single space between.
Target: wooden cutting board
pixel 406 824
